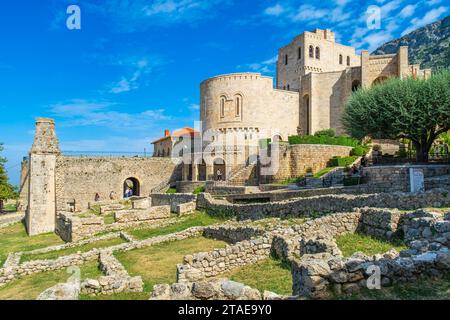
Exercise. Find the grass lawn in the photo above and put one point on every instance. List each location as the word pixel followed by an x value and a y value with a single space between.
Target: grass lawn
pixel 14 238
pixel 323 172
pixel 157 264
pixel 64 252
pixel 193 220
pixel 351 243
pixel 109 219
pixel 30 286
pixel 270 274
pixel 424 289
pixel 10 208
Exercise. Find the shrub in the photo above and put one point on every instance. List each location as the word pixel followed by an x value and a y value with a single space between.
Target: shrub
pixel 342 161
pixel 340 140
pixel 171 191
pixel 327 133
pixel 358 151
pixel 199 190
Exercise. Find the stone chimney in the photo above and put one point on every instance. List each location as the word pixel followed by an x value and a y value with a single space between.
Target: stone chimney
pixel 40 215
pixel 166 133
pixel 45 140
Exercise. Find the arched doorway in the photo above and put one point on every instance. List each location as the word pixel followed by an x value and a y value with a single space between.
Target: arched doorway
pixel 379 80
pixel 277 138
pixel 356 84
pixel 131 188
pixel 202 171
pixel 306 103
pixel 219 169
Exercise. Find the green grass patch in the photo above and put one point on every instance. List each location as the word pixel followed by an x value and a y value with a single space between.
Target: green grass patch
pixel 291 180
pixel 14 239
pixel 323 172
pixel 425 288
pixel 342 161
pixel 199 190
pixel 109 218
pixel 171 191
pixel 270 274
pixel 157 264
pixel 10 208
pixel 30 286
pixel 354 242
pixel 84 248
pixel 193 220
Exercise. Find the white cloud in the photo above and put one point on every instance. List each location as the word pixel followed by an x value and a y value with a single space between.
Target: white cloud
pixel 194 107
pixel 266 66
pixel 80 112
pixel 134 15
pixel 276 10
pixel 408 11
pixel 139 67
pixel 308 12
pixel 431 16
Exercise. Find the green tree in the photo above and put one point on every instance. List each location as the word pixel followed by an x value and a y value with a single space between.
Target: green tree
pixel 7 191
pixel 418 110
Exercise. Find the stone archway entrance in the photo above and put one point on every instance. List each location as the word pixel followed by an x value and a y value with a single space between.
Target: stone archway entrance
pixel 131 187
pixel 202 176
pixel 219 169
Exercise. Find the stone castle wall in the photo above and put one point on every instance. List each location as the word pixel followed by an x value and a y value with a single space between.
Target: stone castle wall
pixel 294 160
pixel 327 203
pixel 79 179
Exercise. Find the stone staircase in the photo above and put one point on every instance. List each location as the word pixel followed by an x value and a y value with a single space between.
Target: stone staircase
pixel 244 175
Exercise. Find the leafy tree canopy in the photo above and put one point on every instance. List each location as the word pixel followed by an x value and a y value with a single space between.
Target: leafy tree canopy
pixel 418 110
pixel 7 191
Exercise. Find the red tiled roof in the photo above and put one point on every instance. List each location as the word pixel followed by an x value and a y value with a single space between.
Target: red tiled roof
pixel 179 133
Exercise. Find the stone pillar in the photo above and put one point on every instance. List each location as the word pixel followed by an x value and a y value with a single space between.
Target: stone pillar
pixel 194 172
pixel 365 70
pixel 403 63
pixel 209 172
pixel 185 172
pixel 41 212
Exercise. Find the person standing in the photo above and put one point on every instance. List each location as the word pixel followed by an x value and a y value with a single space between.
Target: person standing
pixel 97 197
pixel 219 175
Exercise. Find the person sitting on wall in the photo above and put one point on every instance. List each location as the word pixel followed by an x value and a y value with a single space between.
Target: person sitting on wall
pixel 363 161
pixel 354 170
pixel 97 197
pixel 112 195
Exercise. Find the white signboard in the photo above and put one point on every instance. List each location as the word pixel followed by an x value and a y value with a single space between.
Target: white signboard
pixel 416 180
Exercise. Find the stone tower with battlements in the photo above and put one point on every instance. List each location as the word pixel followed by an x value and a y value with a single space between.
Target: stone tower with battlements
pixel 41 211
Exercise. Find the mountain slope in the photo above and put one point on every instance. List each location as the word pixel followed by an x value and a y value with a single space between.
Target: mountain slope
pixel 429 46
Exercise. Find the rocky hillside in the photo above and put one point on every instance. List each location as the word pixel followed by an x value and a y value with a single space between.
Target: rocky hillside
pixel 429 46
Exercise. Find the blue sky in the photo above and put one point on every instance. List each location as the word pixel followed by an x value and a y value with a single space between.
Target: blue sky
pixel 135 66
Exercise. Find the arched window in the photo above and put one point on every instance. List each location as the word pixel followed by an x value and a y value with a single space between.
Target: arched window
pixel 318 53
pixel 222 106
pixel 238 105
pixel 311 51
pixel 341 59
pixel 348 60
pixel 299 53
pixel 286 59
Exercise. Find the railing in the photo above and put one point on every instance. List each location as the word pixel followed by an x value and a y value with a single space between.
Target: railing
pixel 109 154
